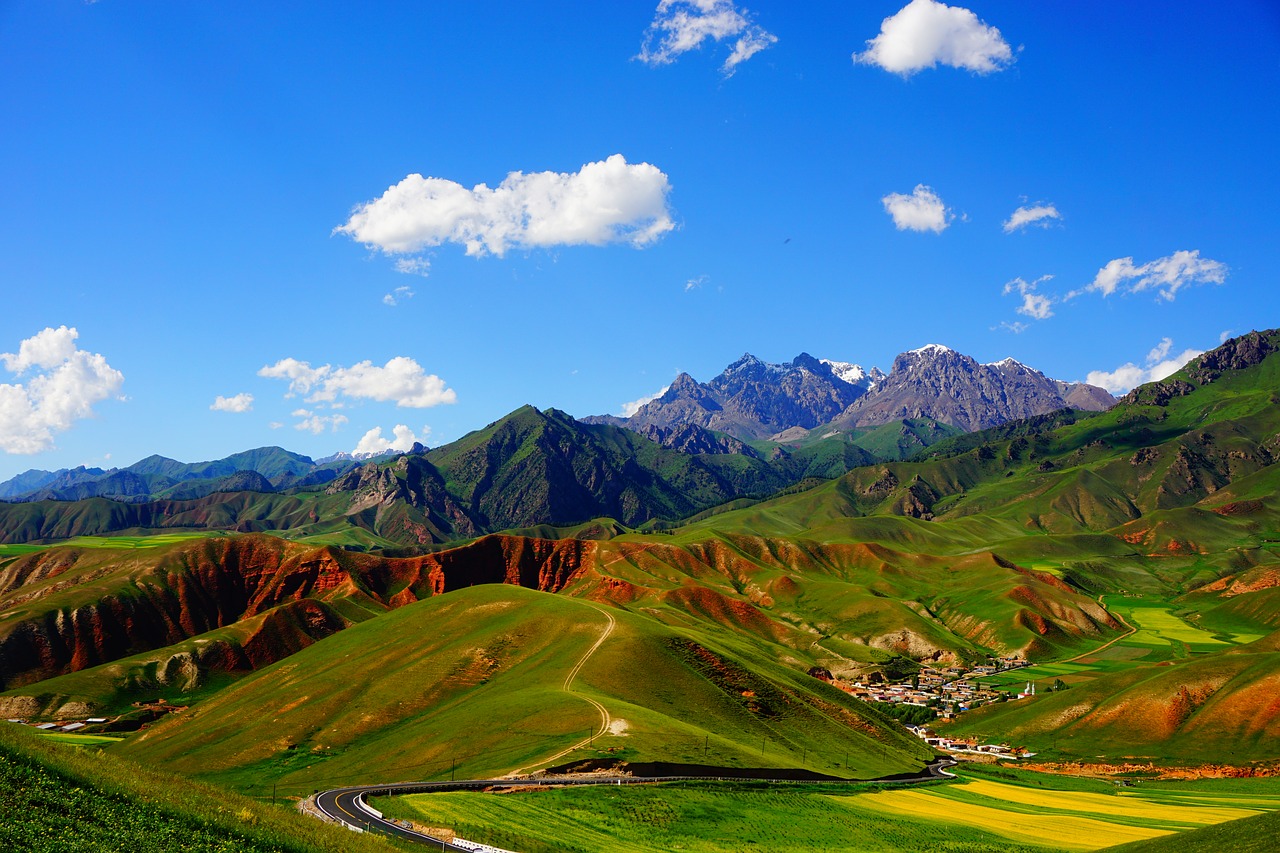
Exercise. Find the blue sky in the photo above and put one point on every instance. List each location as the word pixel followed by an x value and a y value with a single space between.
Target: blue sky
pixel 175 175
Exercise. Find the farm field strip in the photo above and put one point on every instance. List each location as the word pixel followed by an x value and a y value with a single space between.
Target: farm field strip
pixel 1058 830
pixel 1158 630
pixel 978 813
pixel 1131 806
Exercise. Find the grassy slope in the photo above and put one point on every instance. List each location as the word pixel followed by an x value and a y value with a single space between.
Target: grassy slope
pixel 989 808
pixel 56 798
pixel 477 677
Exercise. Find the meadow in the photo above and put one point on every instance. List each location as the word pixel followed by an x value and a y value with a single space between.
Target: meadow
pixel 57 799
pixel 988 808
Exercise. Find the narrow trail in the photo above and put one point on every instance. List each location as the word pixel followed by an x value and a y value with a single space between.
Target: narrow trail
pixel 1116 616
pixel 605 719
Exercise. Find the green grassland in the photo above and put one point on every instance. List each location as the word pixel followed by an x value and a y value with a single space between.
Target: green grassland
pixel 474 682
pixel 989 808
pixel 55 799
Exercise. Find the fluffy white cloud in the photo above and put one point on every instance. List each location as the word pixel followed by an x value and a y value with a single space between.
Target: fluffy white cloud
pixel 923 210
pixel 1041 215
pixel 680 26
pixel 315 423
pixel 239 403
pixel 609 201
pixel 925 33
pixel 402 440
pixel 1035 305
pixel 1158 365
pixel 64 384
pixel 400 293
pixel 695 283
pixel 629 409
pixel 1165 275
pixel 401 380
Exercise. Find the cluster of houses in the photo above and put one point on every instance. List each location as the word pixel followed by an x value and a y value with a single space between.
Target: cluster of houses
pixel 948 690
pixel 73 726
pixel 968 745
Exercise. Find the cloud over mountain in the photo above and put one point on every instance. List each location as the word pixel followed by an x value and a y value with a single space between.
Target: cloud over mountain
pixel 1158 365
pixel 609 201
pixel 63 383
pixel 925 33
pixel 401 380
pixel 1165 275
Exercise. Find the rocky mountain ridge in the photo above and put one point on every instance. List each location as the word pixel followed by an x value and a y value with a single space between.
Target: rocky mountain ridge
pixel 754 399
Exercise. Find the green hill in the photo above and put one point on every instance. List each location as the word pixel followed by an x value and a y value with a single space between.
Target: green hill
pixel 493 679
pixel 57 798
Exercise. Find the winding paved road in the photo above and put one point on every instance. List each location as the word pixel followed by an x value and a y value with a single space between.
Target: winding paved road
pixel 347 805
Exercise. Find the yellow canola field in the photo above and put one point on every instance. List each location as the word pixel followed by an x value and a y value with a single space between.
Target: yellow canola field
pixel 1061 831
pixel 1104 804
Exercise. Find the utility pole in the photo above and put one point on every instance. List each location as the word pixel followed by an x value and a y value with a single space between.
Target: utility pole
pixel 273 793
pixel 591 738
pixel 452 766
pixel 706 747
pixel 762 743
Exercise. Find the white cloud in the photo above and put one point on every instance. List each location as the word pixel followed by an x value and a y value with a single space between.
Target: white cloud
pixel 680 26
pixel 394 297
pixel 925 33
pixel 610 201
pixel 629 409
pixel 1129 375
pixel 923 210
pixel 1017 326
pixel 1225 336
pixel 401 380
pixel 316 424
pixel 64 385
pixel 413 266
pixel 695 283
pixel 275 425
pixel 1165 275
pixel 1040 215
pixel 1035 305
pixel 238 403
pixel 402 440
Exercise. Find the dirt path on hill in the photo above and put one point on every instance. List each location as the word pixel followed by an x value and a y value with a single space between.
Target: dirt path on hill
pixel 605 719
pixel 1133 629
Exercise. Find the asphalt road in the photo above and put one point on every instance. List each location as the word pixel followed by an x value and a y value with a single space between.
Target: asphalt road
pixel 346 805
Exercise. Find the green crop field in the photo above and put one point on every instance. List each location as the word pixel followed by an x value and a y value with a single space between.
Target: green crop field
pixel 988 809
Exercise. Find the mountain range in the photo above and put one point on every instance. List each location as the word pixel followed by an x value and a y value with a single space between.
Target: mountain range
pixel 754 399
pixel 356 629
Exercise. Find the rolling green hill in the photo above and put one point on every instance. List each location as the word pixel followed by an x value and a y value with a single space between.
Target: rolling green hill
pixel 58 798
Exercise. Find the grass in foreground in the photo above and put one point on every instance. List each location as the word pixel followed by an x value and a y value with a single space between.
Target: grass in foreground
pixel 693 818
pixel 56 799
pixel 989 810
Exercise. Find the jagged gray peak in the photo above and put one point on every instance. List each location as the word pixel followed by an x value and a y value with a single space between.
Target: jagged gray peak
pixel 751 399
pixel 937 382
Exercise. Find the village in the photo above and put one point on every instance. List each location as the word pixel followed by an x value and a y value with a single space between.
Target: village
pixel 941 694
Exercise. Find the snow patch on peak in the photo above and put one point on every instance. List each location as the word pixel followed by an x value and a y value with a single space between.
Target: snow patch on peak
pixel 749 360
pixel 1005 362
pixel 854 374
pixel 931 349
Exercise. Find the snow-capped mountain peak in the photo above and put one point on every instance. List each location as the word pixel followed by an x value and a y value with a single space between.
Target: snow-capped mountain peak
pixel 854 374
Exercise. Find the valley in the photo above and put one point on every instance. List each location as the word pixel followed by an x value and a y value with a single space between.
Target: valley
pixel 488 609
